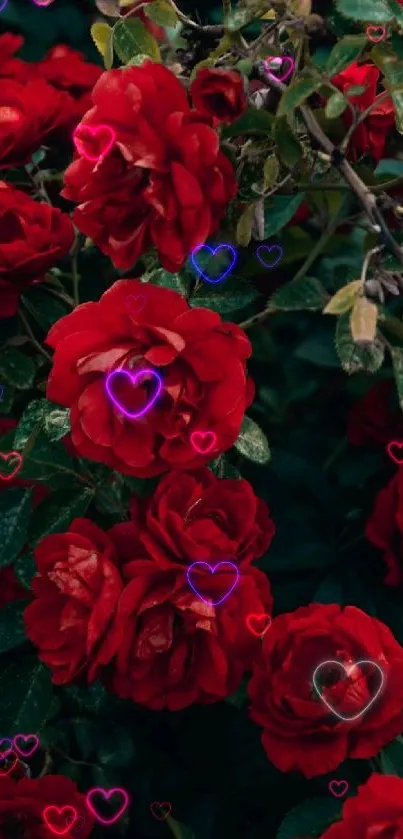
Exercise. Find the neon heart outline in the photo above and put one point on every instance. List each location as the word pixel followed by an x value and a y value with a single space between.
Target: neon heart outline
pixel 6 457
pixel 258 615
pixel 213 570
pixel 287 72
pixel 60 811
pixel 133 379
pixel 161 804
pixel 390 453
pixel 376 40
pixel 271 248
pixel 337 783
pixel 200 433
pixel 348 671
pixel 10 769
pixel 93 130
pixel 5 752
pixel 129 306
pixel 107 795
pixel 26 737
pixel 213 252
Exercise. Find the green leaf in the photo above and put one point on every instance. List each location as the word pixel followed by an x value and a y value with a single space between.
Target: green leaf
pixel 54 515
pixel 177 282
pixel 344 299
pixel 47 461
pixel 366 10
pixel 271 170
pixel 43 307
pixel 252 122
pixel 335 106
pixel 162 13
pixel 396 355
pixel 131 37
pixel 102 35
pixel 310 818
pixel 41 413
pixel 229 297
pixel 391 758
pixel 25 696
pixel 280 211
pixel 392 68
pixel 244 226
pixel 117 748
pixel 25 568
pixel 288 147
pixel 180 831
pixel 346 51
pixel 307 293
pixel 12 629
pixel 252 442
pixel 241 16
pixel 353 357
pixel 296 93
pixel 15 510
pixel 17 368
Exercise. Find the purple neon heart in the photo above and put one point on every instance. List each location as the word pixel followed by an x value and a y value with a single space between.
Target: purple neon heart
pixel 212 569
pixel 213 251
pixel 286 74
pixel 133 378
pixel 269 249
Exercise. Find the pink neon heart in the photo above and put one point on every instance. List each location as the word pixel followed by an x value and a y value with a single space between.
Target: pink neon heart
pixel 283 59
pixel 10 456
pixel 398 456
pixel 338 788
pixel 86 137
pixel 107 794
pixel 203 441
pixel 5 752
pixel 382 33
pixel 25 738
pixel 59 819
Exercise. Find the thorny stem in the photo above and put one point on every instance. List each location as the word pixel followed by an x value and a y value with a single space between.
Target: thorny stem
pixel 32 338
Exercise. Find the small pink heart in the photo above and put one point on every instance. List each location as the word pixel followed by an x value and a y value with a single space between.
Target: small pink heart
pixel 288 71
pixel 135 303
pixel 161 809
pixel 8 458
pixel 376 33
pixel 27 750
pixel 395 451
pixel 203 441
pixel 338 788
pixel 94 142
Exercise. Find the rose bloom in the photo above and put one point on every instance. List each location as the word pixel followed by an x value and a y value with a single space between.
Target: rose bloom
pixel 219 94
pixel 22 803
pixel 200 359
pixel 370 135
pixel 384 528
pixel 376 811
pixel 33 238
pixel 11 67
pixel 196 516
pixel 165 181
pixel 173 649
pixel 67 69
pixel 375 418
pixel 76 591
pixel 299 731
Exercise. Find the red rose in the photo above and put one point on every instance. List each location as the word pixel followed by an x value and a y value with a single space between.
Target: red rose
pixel 370 135
pixel 76 591
pixel 10 67
pixel 384 528
pixel 374 418
pixel 376 811
pixel 34 237
pixel 200 359
pixel 22 804
pixel 173 649
pixel 196 516
pixel 299 732
pixel 219 94
pixel 164 183
pixel 67 69
pixel 10 588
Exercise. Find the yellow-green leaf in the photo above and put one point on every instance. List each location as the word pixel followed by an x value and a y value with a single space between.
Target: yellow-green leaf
pixel 363 321
pixel 102 35
pixel 344 299
pixel 271 169
pixel 131 38
pixel 296 93
pixel 335 105
pixel 244 226
pixel 162 13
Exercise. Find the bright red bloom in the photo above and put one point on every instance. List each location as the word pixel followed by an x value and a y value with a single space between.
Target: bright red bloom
pixel 76 591
pixel 11 67
pixel 200 359
pixel 375 418
pixel 22 803
pixel 376 811
pixel 370 135
pixel 164 183
pixel 10 588
pixel 194 516
pixel 299 732
pixel 33 237
pixel 67 69
pixel 384 527
pixel 219 94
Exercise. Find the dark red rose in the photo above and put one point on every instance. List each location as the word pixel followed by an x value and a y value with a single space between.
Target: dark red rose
pixel 165 181
pixel 10 588
pixel 375 812
pixel 384 528
pixel 67 69
pixel 299 732
pixel 11 67
pixel 219 94
pixel 173 649
pixel 33 237
pixel 370 135
pixel 76 591
pixel 375 418
pixel 200 359
pixel 196 516
pixel 30 113
pixel 22 804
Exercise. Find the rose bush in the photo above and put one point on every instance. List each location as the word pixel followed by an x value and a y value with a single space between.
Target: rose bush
pixel 378 803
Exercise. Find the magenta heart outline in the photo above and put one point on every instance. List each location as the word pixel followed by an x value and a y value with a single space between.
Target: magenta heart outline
pixel 204 434
pixel 287 72
pixel 213 252
pixel 133 380
pixel 394 457
pixel 93 130
pixel 347 669
pixel 5 752
pixel 343 784
pixel 212 570
pixel 268 249
pixel 25 738
pixel 106 794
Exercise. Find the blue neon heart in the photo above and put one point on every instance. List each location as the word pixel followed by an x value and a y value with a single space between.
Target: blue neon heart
pixel 213 251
